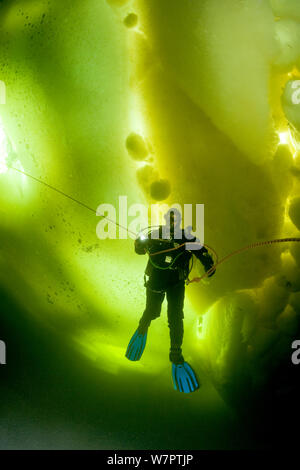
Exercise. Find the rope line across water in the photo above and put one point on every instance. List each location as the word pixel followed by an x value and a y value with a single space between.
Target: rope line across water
pixel 195 279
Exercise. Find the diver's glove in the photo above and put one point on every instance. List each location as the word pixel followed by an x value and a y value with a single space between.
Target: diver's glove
pixel 206 260
pixel 209 262
pixel 212 273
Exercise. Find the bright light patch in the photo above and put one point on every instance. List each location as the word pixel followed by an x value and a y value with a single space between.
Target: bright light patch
pixel 286 138
pixel 136 119
pixel 141 164
pixel 294 142
pixel 3 167
pixel 19 166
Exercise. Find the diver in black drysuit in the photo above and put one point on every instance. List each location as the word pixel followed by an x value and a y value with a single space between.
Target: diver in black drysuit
pixel 171 281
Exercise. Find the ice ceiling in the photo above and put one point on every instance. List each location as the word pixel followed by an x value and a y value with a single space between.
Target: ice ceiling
pixel 187 102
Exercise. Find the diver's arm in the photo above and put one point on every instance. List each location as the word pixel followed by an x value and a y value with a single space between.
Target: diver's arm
pixel 205 258
pixel 200 252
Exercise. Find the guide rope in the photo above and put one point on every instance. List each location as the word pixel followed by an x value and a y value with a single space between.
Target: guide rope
pixel 195 279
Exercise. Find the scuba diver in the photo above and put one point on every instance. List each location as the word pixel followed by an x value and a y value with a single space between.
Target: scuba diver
pixel 165 275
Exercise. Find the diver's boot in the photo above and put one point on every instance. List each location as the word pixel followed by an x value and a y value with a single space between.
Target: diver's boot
pixel 184 378
pixel 136 345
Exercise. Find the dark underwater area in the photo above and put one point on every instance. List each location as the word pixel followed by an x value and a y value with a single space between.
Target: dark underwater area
pixel 53 398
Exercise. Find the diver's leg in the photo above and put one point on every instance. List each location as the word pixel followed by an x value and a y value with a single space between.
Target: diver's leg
pixel 154 302
pixel 137 343
pixel 175 297
pixel 184 377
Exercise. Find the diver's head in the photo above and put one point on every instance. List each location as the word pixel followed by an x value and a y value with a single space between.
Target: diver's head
pixel 173 218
